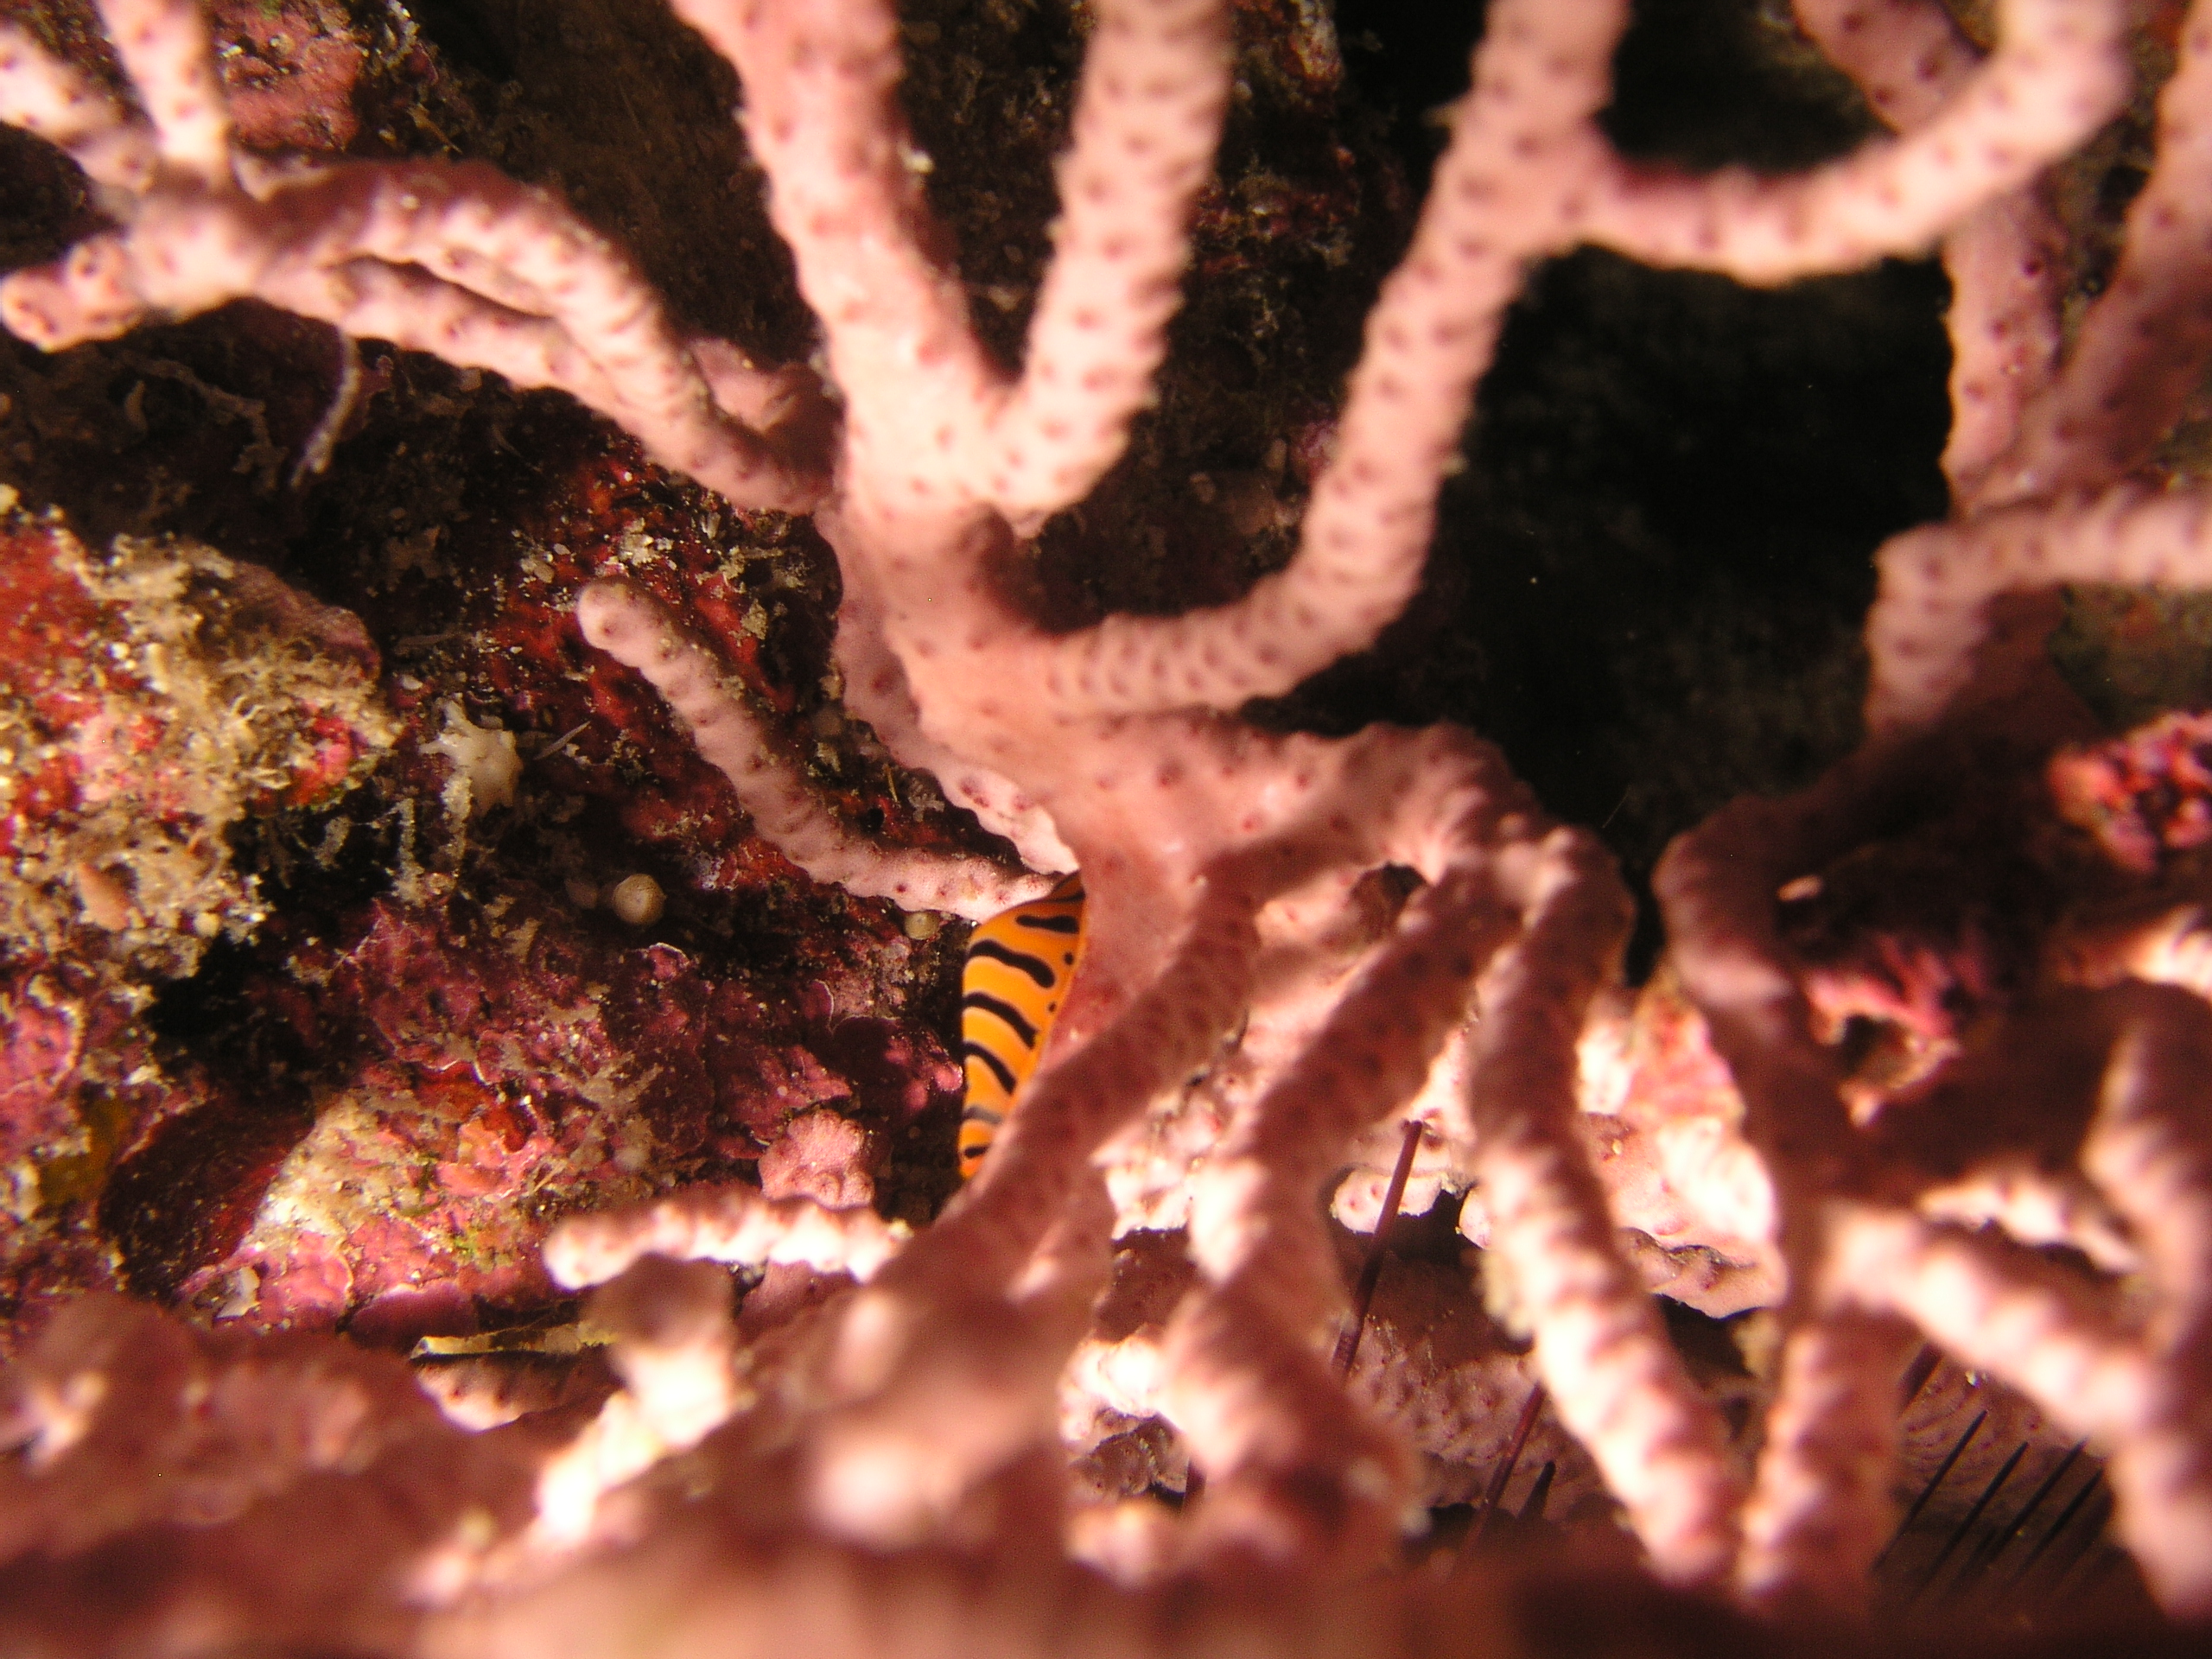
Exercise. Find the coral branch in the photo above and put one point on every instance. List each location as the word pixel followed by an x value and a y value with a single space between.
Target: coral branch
pixel 1505 194
pixel 2059 73
pixel 1284 932
pixel 1601 1349
pixel 164 50
pixel 1155 80
pixel 1259 1408
pixel 46 97
pixel 456 260
pixel 2142 349
pixel 824 120
pixel 1820 1508
pixel 732 1225
pixel 785 810
pixel 1907 55
pixel 1932 612
pixel 673 1349
pixel 2003 261
pixel 821 117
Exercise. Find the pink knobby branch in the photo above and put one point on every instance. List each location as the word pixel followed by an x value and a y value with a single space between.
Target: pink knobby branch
pixel 458 261
pixel 2004 259
pixel 674 1347
pixel 734 1225
pixel 2075 426
pixel 930 421
pixel 1110 734
pixel 785 808
pixel 2059 73
pixel 1217 859
pixel 1188 827
pixel 1527 174
pixel 2038 467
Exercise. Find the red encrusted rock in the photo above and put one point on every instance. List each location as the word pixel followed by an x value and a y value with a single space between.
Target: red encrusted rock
pixel 370 1107
pixel 451 1077
pixel 155 700
pixel 76 1082
pixel 39 1048
pixel 821 1156
pixel 152 698
pixel 713 1078
pixel 1904 942
pixel 288 71
pixel 2145 796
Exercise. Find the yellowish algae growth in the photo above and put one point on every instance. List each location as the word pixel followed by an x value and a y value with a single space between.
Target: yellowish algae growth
pixel 487 768
pixel 204 698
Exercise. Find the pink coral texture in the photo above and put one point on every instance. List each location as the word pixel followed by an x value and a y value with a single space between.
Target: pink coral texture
pixel 853 1473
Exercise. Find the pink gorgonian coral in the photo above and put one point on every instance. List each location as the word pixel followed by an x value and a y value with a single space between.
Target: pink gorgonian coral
pixel 1285 932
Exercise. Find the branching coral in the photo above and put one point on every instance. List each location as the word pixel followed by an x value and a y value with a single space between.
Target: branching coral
pixel 1953 671
pixel 459 261
pixel 1243 886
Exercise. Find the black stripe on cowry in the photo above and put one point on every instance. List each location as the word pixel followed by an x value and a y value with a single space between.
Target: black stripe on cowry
pixel 981 1114
pixel 1050 924
pixel 997 1066
pixel 1011 1017
pixel 1020 961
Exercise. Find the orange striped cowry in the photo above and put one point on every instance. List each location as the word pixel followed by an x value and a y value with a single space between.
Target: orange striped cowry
pixel 1019 966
